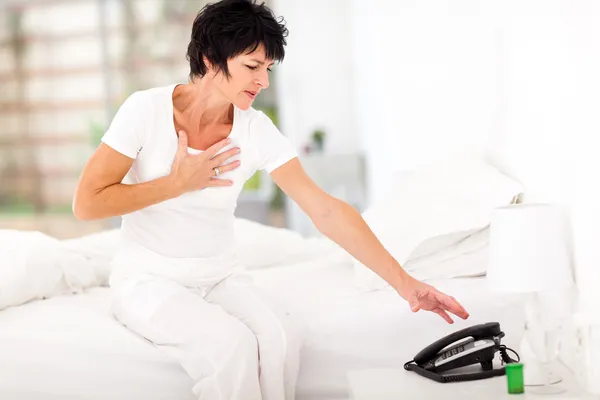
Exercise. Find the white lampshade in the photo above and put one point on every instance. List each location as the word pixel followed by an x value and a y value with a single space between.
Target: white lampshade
pixel 529 249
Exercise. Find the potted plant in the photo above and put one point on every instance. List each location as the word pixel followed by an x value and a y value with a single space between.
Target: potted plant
pixel 318 139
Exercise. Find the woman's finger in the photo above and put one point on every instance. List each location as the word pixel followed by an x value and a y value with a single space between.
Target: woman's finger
pixel 450 304
pixel 414 304
pixel 219 182
pixel 222 157
pixel 461 307
pixel 443 314
pixel 214 149
pixel 182 143
pixel 228 167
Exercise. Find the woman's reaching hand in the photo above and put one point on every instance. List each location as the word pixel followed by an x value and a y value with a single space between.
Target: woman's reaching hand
pixel 421 296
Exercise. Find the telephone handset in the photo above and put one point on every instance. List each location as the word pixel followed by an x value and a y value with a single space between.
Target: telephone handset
pixel 473 345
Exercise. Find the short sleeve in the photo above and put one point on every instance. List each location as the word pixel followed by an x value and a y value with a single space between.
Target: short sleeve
pixel 127 131
pixel 272 147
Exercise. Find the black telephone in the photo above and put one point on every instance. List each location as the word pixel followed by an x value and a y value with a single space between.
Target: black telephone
pixel 477 344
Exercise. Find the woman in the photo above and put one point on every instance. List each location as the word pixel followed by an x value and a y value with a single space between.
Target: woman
pixel 172 164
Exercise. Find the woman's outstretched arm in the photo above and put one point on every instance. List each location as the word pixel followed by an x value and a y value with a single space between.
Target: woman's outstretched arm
pixel 344 225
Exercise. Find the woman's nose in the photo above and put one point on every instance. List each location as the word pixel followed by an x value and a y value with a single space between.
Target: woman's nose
pixel 263 80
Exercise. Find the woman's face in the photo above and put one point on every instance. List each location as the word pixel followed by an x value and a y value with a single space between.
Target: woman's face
pixel 249 74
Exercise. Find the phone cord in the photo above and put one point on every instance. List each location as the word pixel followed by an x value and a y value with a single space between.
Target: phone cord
pixel 505 357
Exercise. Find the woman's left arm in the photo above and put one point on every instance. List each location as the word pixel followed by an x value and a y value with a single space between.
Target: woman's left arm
pixel 344 225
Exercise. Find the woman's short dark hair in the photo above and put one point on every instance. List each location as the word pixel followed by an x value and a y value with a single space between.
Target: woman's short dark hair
pixel 227 28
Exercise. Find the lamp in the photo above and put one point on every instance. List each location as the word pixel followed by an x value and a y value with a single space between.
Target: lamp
pixel 529 254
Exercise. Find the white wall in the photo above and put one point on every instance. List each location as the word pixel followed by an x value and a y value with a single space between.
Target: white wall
pixel 425 79
pixel 549 101
pixel 538 98
pixel 315 79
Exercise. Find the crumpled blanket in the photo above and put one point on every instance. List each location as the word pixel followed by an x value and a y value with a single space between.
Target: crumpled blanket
pixel 35 266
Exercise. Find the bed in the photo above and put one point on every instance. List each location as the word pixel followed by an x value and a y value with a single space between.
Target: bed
pixel 59 345
pixel 69 347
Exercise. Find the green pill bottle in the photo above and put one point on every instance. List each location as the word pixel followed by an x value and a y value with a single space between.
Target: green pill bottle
pixel 514 378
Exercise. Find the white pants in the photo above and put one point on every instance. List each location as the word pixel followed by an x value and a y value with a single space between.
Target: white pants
pixel 230 342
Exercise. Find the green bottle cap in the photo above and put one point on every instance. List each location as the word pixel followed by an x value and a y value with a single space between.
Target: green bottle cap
pixel 514 378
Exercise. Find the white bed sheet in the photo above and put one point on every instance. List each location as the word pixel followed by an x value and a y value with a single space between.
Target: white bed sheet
pixel 347 329
pixel 69 347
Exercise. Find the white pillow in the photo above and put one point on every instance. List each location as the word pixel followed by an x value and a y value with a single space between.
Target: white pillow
pixel 466 258
pixel 434 208
pixel 466 265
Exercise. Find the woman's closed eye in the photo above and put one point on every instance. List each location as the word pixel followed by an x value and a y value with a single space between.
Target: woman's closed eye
pixel 255 67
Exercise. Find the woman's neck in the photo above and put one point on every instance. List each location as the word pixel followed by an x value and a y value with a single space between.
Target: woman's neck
pixel 201 104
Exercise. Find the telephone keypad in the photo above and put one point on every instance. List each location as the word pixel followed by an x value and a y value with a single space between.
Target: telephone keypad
pixel 453 352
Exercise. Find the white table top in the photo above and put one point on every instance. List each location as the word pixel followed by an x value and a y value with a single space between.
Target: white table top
pixel 384 384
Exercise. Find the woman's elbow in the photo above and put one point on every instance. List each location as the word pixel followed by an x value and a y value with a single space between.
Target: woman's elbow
pixel 82 209
pixel 79 212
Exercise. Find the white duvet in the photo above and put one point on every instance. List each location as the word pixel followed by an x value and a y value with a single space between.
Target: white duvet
pixel 36 266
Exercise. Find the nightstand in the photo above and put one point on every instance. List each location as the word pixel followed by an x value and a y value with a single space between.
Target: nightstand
pixel 398 384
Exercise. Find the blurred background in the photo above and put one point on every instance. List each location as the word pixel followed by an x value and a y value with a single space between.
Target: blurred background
pixel 368 91
pixel 66 68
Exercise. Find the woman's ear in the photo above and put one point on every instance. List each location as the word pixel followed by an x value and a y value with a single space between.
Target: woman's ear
pixel 208 64
pixel 212 71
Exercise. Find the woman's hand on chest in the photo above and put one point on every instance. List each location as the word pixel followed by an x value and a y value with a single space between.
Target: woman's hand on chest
pixel 191 172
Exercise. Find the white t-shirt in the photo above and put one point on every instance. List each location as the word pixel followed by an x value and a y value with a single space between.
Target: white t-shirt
pixel 192 233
